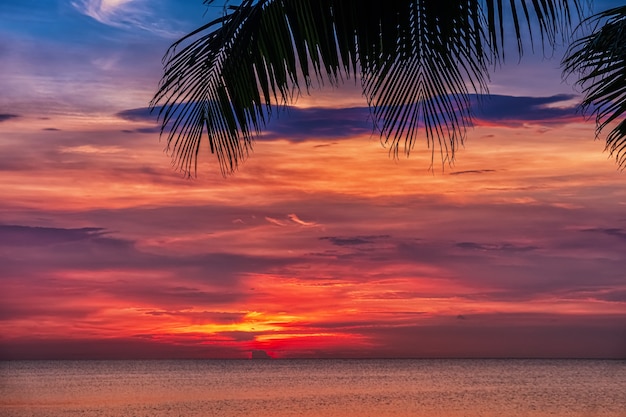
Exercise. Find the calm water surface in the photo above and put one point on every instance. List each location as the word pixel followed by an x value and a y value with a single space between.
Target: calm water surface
pixel 320 388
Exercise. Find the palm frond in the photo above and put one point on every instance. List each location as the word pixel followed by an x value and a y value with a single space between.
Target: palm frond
pixel 418 62
pixel 600 60
pixel 552 19
pixel 424 80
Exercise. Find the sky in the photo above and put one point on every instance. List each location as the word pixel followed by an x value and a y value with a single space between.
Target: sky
pixel 320 245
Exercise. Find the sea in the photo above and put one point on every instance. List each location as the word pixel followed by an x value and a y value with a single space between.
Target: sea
pixel 314 388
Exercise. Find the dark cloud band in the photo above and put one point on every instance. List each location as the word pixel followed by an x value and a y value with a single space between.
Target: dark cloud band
pixel 302 124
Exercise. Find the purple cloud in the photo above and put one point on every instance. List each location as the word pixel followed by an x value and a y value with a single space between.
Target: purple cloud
pixel 15 235
pixel 142 114
pixel 618 233
pixel 354 240
pixel 302 124
pixel 505 247
pixel 7 116
pixel 299 124
pixel 515 111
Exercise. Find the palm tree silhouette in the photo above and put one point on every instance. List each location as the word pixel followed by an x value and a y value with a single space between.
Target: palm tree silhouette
pixel 600 60
pixel 418 62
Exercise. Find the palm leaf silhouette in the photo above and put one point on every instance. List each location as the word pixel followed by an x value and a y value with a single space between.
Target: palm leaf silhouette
pixel 600 59
pixel 417 61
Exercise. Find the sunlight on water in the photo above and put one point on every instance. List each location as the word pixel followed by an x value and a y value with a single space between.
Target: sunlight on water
pixel 340 388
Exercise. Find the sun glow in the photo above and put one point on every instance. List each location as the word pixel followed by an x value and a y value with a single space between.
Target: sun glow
pixel 253 322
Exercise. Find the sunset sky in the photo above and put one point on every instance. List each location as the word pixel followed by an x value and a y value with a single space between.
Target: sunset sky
pixel 321 244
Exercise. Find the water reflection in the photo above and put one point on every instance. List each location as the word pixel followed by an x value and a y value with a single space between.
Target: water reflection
pixel 277 388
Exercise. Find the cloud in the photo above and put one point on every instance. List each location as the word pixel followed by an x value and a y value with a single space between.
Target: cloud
pixel 504 247
pixel 416 264
pixel 15 235
pixel 126 14
pixel 298 124
pixel 91 149
pixel 7 116
pixel 473 171
pixel 481 266
pixel 94 249
pixel 276 222
pixel 292 123
pixel 600 292
pixel 202 316
pixel 618 296
pixel 108 12
pixel 292 219
pixel 145 115
pixel 167 297
pixel 142 114
pixel 317 123
pixel 354 240
pixel 155 129
pixel 619 233
pixel 515 111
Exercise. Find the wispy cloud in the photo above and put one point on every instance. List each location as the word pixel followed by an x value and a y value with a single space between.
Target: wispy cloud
pixel 294 218
pixel 91 149
pixel 290 220
pixel 126 14
pixel 276 222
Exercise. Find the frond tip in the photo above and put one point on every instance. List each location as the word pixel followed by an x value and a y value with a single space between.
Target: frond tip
pixel 599 59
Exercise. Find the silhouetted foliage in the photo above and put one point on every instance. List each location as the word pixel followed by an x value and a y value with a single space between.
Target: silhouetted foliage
pixel 599 59
pixel 417 62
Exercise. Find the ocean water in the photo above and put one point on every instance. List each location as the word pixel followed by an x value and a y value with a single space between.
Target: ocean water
pixel 320 388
